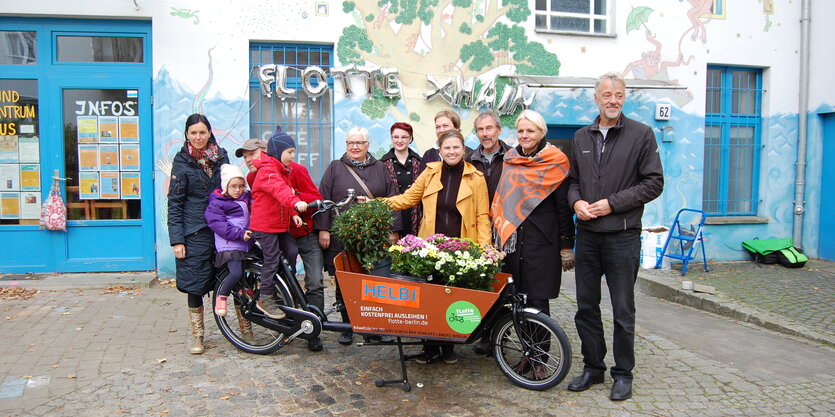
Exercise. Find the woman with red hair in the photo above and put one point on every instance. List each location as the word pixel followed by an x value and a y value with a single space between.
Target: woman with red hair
pixel 403 165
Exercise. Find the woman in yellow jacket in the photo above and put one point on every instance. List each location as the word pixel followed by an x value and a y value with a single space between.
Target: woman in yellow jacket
pixel 455 203
pixel 453 193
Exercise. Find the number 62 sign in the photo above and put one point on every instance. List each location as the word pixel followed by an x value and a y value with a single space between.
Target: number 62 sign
pixel 663 111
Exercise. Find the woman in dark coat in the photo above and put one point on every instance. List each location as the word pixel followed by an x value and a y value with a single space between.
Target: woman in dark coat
pixel 334 186
pixel 403 165
pixel 533 222
pixel 194 174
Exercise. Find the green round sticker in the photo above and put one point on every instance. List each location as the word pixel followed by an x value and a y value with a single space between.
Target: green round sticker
pixel 463 317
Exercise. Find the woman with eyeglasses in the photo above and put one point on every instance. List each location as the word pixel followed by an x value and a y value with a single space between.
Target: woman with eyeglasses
pixel 358 170
pixel 403 165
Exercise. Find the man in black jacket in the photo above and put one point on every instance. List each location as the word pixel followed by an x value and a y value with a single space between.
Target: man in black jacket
pixel 615 171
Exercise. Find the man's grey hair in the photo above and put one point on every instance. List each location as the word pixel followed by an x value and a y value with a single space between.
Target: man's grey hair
pixel 614 76
pixel 485 115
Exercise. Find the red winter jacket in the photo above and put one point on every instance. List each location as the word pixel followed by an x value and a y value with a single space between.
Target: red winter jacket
pixel 272 197
pixel 306 190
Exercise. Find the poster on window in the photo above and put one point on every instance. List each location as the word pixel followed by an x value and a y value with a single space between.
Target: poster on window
pixel 9 177
pixel 29 149
pixel 8 148
pixel 9 206
pixel 129 129
pixel 129 157
pixel 109 185
pixel 30 177
pixel 88 129
pixel 88 157
pixel 88 186
pixel 109 157
pixel 108 129
pixel 30 205
pixel 130 185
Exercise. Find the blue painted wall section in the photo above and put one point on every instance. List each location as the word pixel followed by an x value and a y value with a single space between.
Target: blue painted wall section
pixel 682 154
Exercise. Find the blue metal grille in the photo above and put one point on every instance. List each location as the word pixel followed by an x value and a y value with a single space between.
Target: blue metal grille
pixel 310 122
pixel 732 141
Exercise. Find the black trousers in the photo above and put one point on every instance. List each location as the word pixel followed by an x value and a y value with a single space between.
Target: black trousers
pixel 615 256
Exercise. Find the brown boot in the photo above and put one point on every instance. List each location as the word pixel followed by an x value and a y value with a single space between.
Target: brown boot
pixel 195 316
pixel 245 325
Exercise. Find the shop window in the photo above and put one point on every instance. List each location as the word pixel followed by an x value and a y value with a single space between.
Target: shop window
pixel 18 47
pixel 308 121
pixel 572 16
pixel 733 122
pixel 101 154
pixel 20 163
pixel 99 49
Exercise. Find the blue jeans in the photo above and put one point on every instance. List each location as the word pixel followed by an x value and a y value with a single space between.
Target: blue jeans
pixel 615 255
pixel 314 263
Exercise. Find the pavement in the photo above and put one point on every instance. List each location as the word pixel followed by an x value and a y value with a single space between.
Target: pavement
pixel 798 302
pixel 114 350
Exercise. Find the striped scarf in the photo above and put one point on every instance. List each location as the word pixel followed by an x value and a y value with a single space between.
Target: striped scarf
pixel 525 182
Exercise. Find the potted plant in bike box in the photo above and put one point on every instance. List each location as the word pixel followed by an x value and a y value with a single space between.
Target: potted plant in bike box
pixel 364 231
pixel 447 261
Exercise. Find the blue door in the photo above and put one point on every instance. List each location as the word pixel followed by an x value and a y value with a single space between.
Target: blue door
pixel 826 245
pixel 83 89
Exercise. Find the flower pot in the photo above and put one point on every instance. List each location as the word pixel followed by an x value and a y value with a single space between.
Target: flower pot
pixel 381 269
pixel 407 277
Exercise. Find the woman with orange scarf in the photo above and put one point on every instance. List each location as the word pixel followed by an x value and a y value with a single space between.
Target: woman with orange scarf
pixel 532 221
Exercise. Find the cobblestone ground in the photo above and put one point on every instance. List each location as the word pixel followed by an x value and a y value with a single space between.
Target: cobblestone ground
pixel 93 354
pixel 806 294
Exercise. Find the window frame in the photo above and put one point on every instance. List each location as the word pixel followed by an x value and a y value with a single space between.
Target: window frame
pixel 293 81
pixel 726 120
pixel 591 17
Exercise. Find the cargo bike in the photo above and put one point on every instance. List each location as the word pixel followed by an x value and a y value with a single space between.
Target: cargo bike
pixel 529 347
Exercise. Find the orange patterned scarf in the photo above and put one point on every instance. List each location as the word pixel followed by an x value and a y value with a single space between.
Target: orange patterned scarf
pixel 525 182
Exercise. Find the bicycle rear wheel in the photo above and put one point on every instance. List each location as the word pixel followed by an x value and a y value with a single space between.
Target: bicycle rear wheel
pixel 538 356
pixel 240 332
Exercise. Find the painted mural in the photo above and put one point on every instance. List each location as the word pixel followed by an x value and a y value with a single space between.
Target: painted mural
pixel 482 39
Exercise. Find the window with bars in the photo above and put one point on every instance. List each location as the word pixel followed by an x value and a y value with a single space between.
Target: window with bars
pixel 572 16
pixel 308 121
pixel 733 123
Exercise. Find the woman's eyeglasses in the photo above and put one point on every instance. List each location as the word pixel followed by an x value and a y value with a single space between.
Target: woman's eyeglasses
pixel 350 144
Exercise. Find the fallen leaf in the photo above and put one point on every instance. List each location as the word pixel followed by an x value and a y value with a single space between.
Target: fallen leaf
pixel 224 398
pixel 357 382
pixel 78 328
pixel 27 377
pixel 71 376
pixel 56 365
pixel 66 313
pixel 162 360
pixel 164 412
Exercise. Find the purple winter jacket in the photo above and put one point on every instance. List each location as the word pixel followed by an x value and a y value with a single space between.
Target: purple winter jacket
pixel 229 219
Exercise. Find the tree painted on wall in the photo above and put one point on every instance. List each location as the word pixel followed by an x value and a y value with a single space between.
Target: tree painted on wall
pixel 444 38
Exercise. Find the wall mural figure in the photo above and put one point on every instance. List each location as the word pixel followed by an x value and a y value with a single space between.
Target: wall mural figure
pixel 446 38
pixel 651 66
pixel 186 14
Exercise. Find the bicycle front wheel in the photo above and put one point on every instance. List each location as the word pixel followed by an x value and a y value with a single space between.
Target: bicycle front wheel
pixel 537 356
pixel 240 332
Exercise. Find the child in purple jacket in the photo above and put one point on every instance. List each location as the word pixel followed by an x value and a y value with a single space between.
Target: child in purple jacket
pixel 228 216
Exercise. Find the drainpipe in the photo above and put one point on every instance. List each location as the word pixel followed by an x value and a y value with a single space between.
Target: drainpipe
pixel 800 174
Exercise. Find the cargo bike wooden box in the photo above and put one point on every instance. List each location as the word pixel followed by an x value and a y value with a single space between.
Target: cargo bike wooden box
pixel 529 347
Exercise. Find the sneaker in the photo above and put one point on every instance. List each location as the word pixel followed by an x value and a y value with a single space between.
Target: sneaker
pixel 482 348
pixel 448 352
pixel 270 308
pixel 430 354
pixel 346 338
pixel 314 345
pixel 220 305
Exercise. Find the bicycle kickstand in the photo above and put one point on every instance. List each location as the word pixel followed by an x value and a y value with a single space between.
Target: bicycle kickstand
pixel 380 382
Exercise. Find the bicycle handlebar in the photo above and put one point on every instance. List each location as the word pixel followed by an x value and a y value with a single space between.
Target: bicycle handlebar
pixel 322 206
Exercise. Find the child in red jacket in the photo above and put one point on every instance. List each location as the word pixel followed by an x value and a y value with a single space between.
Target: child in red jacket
pixel 272 203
